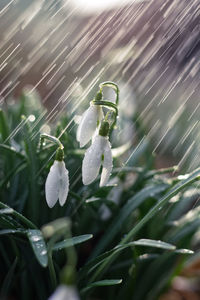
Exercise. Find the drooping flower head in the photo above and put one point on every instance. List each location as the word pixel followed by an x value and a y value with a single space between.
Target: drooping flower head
pixel 57 183
pixel 99 153
pixel 89 123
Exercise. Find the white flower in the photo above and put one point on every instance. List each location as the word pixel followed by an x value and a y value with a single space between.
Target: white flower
pixel 64 292
pixel 99 153
pixel 57 184
pixel 89 122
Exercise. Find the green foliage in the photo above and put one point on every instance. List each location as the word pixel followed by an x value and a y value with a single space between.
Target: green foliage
pixel 129 237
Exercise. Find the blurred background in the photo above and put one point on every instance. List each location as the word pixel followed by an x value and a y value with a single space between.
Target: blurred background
pixel 61 50
pixel 64 49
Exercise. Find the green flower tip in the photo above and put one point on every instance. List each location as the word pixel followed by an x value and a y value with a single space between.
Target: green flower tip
pixel 104 129
pixel 59 154
pixel 98 96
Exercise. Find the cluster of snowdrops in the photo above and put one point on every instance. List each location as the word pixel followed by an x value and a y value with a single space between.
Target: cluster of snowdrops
pixel 95 126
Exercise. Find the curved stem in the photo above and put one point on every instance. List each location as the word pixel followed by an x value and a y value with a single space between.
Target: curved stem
pixel 108 104
pixel 50 138
pixel 112 85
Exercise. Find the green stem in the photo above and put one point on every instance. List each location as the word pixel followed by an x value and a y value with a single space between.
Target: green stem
pixel 50 138
pixel 163 171
pixel 52 270
pixel 108 104
pixel 19 216
pixel 114 86
pixel 76 196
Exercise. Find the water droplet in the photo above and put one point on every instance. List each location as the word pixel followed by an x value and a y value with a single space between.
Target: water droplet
pixel 35 238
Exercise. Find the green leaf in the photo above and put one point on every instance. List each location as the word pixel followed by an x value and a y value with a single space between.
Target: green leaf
pixel 124 213
pixel 105 282
pixel 154 243
pixel 184 251
pixel 94 263
pixel 12 150
pixel 4 130
pixel 11 231
pixel 19 216
pixel 9 280
pixel 190 178
pixel 71 242
pixel 18 168
pixel 38 245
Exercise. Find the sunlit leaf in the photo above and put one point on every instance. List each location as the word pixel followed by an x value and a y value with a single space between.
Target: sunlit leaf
pixel 105 282
pixel 184 251
pixel 154 243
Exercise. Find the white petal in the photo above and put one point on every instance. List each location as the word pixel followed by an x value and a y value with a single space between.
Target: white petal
pixel 63 184
pixel 52 184
pixel 64 292
pixel 88 124
pixel 107 163
pixel 92 160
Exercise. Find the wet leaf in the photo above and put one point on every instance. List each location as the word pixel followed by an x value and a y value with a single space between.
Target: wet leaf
pixel 38 245
pixel 154 243
pixel 71 242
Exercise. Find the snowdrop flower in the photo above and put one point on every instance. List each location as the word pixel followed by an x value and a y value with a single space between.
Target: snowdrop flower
pixel 57 183
pixel 89 122
pixel 99 153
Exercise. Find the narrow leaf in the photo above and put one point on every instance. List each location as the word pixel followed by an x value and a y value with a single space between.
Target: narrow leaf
pixel 124 213
pixel 9 279
pixel 154 243
pixel 3 126
pixel 39 246
pixel 11 231
pixel 71 242
pixel 189 179
pixel 184 251
pixel 12 150
pixel 105 282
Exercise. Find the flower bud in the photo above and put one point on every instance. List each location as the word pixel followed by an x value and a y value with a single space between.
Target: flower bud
pixel 57 183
